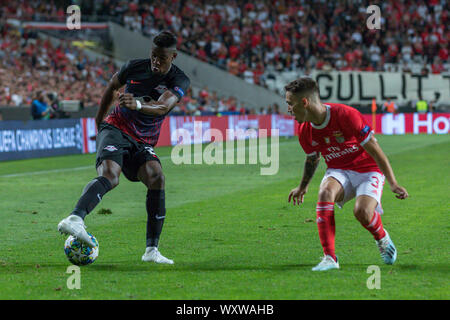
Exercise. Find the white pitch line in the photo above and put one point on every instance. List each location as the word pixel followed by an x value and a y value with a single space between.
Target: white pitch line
pixel 45 172
pixel 13 175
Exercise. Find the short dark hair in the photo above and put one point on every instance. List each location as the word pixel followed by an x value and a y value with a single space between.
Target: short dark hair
pixel 303 85
pixel 165 39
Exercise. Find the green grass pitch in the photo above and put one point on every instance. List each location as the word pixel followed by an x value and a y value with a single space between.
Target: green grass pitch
pixel 229 229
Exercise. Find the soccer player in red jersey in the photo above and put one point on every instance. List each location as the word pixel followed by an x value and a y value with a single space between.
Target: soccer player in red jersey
pixel 356 167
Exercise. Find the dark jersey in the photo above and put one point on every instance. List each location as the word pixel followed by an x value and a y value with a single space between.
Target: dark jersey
pixel 142 82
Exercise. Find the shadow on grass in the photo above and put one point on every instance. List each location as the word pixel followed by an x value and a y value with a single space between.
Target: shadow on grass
pixel 207 266
pixel 201 266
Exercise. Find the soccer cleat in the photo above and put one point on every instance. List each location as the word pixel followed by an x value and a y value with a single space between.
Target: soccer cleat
pixel 152 254
pixel 387 249
pixel 74 226
pixel 327 263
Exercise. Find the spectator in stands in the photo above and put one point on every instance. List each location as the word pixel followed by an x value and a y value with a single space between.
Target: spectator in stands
pixel 276 108
pixel 261 111
pixel 39 107
pixel 437 67
pixel 421 106
pixel 204 95
pixel 390 106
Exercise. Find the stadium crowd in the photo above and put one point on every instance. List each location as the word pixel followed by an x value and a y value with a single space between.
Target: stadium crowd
pixel 207 102
pixel 252 36
pixel 250 39
pixel 29 64
pixel 33 69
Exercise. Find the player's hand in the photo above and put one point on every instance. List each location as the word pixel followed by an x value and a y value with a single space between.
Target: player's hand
pixel 297 195
pixel 127 100
pixel 400 191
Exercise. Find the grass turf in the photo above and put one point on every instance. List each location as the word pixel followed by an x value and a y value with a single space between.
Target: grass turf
pixel 229 229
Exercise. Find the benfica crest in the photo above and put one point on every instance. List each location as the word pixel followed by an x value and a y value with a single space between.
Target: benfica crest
pixel 339 136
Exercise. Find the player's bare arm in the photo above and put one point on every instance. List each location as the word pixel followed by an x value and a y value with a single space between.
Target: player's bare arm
pixel 311 163
pixel 165 103
pixel 373 148
pixel 107 98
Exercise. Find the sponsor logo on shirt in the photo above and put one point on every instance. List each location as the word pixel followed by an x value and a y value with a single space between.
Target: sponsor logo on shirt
pixel 314 144
pixel 336 153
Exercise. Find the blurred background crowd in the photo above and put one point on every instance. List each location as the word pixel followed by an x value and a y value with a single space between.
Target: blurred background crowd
pixel 249 39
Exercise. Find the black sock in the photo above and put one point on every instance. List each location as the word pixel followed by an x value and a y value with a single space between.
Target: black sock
pixel 156 211
pixel 91 196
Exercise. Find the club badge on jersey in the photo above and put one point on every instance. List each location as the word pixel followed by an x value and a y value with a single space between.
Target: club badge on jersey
pixel 339 136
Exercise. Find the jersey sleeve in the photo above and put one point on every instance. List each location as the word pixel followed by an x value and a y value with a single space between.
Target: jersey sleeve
pixel 306 143
pixel 123 73
pixel 179 85
pixel 359 127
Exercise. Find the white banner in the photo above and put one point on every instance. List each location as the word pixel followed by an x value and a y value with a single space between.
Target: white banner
pixel 350 87
pixel 241 127
pixel 197 129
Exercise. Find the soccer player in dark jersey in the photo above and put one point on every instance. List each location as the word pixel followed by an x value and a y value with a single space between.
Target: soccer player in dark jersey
pixel 127 136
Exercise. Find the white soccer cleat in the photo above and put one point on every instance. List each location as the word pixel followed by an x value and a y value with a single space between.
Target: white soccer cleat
pixel 327 263
pixel 152 254
pixel 387 249
pixel 74 226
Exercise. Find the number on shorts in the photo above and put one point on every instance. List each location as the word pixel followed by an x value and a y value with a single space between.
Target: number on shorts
pixel 150 150
pixel 376 183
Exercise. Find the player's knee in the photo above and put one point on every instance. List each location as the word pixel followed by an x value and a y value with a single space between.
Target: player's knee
pixel 326 195
pixel 111 171
pixel 156 180
pixel 112 176
pixel 362 214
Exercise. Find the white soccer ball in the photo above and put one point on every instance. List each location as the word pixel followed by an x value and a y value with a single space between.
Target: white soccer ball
pixel 78 253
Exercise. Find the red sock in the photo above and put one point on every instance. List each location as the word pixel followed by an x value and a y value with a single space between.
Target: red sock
pixel 326 226
pixel 375 226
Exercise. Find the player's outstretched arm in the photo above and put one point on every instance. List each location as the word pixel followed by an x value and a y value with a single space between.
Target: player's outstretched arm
pixel 311 163
pixel 165 103
pixel 373 148
pixel 107 98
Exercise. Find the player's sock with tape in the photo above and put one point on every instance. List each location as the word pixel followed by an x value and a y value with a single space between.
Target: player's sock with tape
pixel 91 196
pixel 327 227
pixel 156 212
pixel 375 226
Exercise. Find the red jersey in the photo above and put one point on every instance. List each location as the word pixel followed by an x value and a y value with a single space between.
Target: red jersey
pixel 339 139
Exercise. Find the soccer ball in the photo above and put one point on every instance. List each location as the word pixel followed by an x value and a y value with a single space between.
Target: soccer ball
pixel 78 253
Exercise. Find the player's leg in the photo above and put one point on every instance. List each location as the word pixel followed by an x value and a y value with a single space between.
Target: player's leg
pixel 108 178
pixel 369 218
pixel 151 174
pixel 368 211
pixel 331 191
pixel 109 159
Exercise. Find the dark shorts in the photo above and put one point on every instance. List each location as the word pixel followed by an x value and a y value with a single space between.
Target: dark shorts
pixel 130 155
